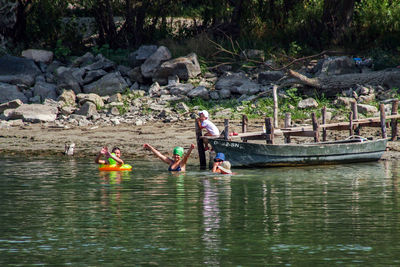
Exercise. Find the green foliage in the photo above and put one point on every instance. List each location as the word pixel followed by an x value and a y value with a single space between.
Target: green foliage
pixel 61 52
pixel 384 58
pixel 119 56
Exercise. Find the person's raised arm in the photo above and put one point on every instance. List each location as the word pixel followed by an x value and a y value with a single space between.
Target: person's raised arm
pixel 157 153
pixel 199 123
pixel 102 152
pixel 185 158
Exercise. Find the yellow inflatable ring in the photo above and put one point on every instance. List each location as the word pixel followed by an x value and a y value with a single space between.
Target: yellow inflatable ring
pixel 123 167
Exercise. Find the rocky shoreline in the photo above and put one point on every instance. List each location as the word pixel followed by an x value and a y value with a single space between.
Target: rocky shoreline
pixel 92 101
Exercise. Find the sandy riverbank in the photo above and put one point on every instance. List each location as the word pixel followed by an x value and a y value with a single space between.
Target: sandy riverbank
pixel 37 139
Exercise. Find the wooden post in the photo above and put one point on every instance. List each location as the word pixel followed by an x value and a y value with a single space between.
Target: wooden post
pixel 395 107
pixel 226 131
pixel 288 123
pixel 200 147
pixel 355 116
pixel 383 120
pixel 269 131
pixel 245 122
pixel 275 96
pixel 315 127
pixel 351 126
pixel 323 112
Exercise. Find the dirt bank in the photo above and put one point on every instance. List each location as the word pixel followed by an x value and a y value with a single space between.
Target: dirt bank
pixel 37 139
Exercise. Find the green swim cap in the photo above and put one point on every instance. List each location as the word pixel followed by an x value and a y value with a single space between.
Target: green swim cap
pixel 178 151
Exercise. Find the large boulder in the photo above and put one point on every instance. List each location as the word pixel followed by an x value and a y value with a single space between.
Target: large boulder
pixel 34 113
pixel 109 84
pixel 93 98
pixel 237 83
pixel 154 61
pixel 101 63
pixel 68 98
pixel 338 66
pixel 9 92
pixel 84 60
pixel 38 55
pixel 183 67
pixel 138 57
pixel 200 92
pixel 45 90
pixel 69 79
pixel 18 71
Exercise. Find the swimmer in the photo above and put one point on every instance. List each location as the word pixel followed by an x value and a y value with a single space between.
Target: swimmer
pixel 177 162
pixel 113 158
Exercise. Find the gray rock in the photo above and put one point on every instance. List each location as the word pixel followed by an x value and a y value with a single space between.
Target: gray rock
pixel 93 98
pixel 154 61
pixel 136 75
pixel 237 83
pixel 93 75
pixel 101 63
pixel 137 57
pixel 68 79
pixel 267 77
pixel 180 89
pixel 68 98
pixel 307 103
pixel 16 70
pixel 38 55
pixel 84 60
pixel 10 105
pixel 215 95
pixel 45 90
pixel 183 67
pixel 182 107
pixel 10 92
pixel 366 108
pixel 88 109
pixel 338 66
pixel 199 91
pixel 343 102
pixel 224 93
pixel 155 90
pixel 35 113
pixel 109 84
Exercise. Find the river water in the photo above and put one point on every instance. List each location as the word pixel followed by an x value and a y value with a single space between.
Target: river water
pixel 64 212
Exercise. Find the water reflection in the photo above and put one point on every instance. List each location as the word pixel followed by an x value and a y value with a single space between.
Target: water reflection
pixel 68 213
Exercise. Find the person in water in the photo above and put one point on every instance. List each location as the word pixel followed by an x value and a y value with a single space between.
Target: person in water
pixel 204 123
pixel 221 165
pixel 177 162
pixel 113 158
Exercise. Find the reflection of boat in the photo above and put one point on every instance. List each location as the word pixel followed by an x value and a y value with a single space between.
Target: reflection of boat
pixel 269 155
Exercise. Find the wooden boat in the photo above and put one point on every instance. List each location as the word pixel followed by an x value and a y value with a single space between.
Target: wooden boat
pixel 243 154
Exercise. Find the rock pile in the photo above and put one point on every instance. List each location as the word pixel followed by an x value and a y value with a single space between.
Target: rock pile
pixel 93 90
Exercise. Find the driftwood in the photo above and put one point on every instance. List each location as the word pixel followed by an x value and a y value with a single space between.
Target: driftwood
pixel 335 83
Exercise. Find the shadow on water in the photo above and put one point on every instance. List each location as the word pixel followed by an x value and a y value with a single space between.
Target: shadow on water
pixel 66 212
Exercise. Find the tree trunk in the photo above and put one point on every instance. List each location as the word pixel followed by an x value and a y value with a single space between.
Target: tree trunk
pixel 337 18
pixel 332 85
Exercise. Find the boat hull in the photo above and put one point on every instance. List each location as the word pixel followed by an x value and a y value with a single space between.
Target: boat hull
pixel 242 154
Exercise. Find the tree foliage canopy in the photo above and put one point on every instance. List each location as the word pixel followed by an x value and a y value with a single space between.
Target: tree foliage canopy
pixel 308 24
